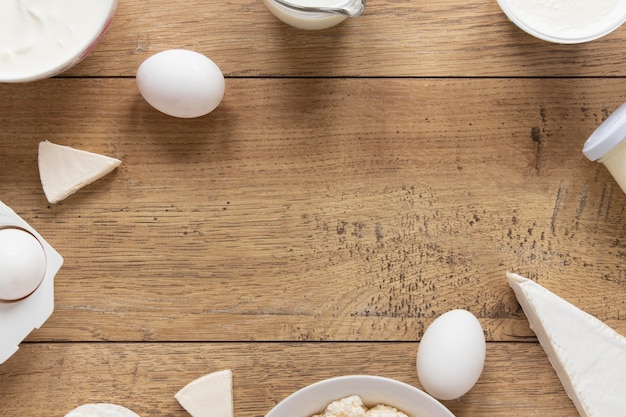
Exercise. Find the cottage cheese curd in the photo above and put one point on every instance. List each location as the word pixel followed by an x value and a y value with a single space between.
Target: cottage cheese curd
pixel 566 21
pixel 39 39
pixel 353 406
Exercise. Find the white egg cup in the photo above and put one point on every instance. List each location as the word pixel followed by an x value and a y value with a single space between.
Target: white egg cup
pixel 19 318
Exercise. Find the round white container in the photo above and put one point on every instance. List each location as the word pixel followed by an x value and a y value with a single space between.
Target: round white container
pixel 566 21
pixel 40 39
pixel 607 145
pixel 307 17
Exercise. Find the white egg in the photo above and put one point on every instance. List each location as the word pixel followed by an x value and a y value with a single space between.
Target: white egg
pixel 451 355
pixel 22 264
pixel 181 83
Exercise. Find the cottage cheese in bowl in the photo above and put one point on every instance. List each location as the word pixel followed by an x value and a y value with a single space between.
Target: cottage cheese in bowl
pixel 42 38
pixel 566 21
pixel 359 396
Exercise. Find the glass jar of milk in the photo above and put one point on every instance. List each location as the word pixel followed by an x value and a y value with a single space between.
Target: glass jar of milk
pixel 315 14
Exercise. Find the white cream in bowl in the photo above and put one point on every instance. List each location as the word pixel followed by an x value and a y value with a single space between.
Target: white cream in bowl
pixel 39 39
pixel 566 21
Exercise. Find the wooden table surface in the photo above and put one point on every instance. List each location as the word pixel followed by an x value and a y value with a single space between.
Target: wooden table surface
pixel 353 185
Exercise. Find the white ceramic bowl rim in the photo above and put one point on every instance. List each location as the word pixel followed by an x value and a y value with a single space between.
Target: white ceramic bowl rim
pixel 531 30
pixel 373 390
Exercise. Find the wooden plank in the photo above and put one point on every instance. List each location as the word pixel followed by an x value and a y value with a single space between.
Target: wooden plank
pixel 355 184
pixel 283 217
pixel 392 39
pixel 517 381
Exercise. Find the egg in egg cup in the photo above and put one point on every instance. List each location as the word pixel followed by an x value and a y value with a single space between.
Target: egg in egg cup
pixel 27 303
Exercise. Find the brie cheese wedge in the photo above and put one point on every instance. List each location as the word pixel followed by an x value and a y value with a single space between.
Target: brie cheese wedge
pixel 209 396
pixel 589 357
pixel 64 170
pixel 101 410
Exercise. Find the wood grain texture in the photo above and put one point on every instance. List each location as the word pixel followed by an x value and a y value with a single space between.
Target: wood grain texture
pixel 376 205
pixel 392 38
pixel 517 381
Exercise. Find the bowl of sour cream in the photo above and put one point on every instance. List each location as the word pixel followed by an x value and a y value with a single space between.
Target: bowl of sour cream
pixel 566 21
pixel 40 39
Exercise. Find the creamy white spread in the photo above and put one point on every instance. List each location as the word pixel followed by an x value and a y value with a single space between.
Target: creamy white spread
pixel 569 18
pixel 43 35
pixel 353 406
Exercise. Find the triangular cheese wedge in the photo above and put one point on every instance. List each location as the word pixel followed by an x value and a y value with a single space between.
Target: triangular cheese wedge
pixel 64 170
pixel 589 357
pixel 209 396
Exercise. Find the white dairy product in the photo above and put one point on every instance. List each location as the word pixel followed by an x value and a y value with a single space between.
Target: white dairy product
pixel 42 38
pixel 566 21
pixel 101 410
pixel 588 356
pixel 615 162
pixel 607 145
pixel 352 406
pixel 310 19
pixel 208 396
pixel 64 170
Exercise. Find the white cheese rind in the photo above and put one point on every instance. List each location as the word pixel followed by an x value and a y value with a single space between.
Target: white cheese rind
pixel 589 357
pixel 209 396
pixel 101 410
pixel 63 170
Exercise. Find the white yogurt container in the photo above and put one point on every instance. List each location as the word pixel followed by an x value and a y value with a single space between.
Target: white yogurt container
pixel 566 21
pixel 20 316
pixel 315 14
pixel 607 145
pixel 40 39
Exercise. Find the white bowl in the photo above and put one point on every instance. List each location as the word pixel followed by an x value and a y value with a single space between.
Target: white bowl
pixel 373 390
pixel 566 21
pixel 41 39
